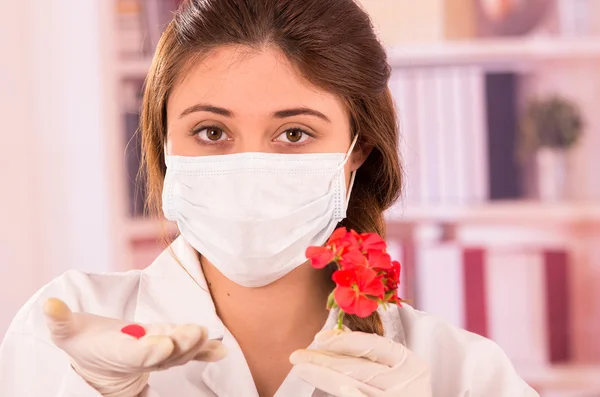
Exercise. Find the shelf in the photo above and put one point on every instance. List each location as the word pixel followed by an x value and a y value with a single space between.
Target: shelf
pixel 515 50
pixel 499 213
pixel 134 68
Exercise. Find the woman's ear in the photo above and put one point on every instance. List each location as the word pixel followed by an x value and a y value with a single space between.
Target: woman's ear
pixel 359 155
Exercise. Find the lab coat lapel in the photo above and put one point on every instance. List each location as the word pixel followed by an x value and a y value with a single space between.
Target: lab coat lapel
pixel 231 376
pixel 173 290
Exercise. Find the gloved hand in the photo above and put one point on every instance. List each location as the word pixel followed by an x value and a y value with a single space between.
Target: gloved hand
pixel 356 364
pixel 117 364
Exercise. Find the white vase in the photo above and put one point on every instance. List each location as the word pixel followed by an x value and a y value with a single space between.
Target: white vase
pixel 551 174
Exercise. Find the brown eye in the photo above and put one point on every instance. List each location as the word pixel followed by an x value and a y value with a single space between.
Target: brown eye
pixel 211 134
pixel 293 135
pixel 214 134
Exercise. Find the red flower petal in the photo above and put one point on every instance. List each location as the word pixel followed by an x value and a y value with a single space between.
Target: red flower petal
pixel 337 234
pixel 396 266
pixel 379 260
pixel 137 331
pixel 342 241
pixel 357 290
pixel 390 284
pixel 355 235
pixel 345 298
pixel 352 259
pixel 352 302
pixel 369 283
pixel 392 276
pixel 363 307
pixel 344 278
pixel 319 256
pixel 372 242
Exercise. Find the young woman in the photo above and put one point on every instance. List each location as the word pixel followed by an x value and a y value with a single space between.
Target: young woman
pixel 266 124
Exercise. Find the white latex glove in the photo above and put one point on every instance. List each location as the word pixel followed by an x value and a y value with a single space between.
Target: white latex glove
pixel 356 364
pixel 117 364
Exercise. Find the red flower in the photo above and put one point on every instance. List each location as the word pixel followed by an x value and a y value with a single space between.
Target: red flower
pixel 319 256
pixel 379 260
pixel 357 290
pixel 372 242
pixel 337 235
pixel 392 276
pixel 343 241
pixel 352 259
pixel 366 274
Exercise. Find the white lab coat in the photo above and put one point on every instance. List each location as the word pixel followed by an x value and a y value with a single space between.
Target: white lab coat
pixel 462 364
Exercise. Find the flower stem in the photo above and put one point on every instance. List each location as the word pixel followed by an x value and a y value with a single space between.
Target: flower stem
pixel 340 323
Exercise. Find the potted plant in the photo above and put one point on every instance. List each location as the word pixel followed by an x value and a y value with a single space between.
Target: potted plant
pixel 549 128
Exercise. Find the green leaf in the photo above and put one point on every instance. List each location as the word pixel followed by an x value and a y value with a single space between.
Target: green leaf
pixel 331 303
pixel 340 323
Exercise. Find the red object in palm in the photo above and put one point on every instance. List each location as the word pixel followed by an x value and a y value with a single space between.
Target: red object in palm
pixel 366 275
pixel 137 331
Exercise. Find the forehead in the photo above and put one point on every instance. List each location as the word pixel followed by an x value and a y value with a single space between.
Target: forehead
pixel 249 81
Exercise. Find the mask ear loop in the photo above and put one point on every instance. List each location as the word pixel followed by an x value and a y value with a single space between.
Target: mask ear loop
pixel 349 152
pixel 353 174
pixel 350 188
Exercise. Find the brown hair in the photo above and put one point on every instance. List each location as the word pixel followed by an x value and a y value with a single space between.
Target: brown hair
pixel 332 43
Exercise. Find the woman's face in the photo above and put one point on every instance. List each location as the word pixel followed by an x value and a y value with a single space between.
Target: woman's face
pixel 241 100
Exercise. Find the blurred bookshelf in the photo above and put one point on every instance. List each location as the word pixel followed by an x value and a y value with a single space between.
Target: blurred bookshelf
pixel 449 75
pixel 138 25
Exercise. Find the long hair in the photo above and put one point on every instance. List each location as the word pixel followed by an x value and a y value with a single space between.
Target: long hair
pixel 332 44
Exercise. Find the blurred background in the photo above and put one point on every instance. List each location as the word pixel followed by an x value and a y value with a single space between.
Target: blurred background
pixel 499 104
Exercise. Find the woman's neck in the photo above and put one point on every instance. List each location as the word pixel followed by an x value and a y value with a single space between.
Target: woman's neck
pixel 271 322
pixel 287 308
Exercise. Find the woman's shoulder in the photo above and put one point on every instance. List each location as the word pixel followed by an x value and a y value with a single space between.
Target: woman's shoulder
pixel 460 360
pixel 104 294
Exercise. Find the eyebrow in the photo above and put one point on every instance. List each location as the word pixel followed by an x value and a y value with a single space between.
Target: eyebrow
pixel 280 114
pixel 202 107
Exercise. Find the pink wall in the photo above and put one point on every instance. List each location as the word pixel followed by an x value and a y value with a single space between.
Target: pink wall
pixel 55 199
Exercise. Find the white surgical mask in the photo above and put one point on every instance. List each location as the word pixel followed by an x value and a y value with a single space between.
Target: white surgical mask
pixel 252 215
